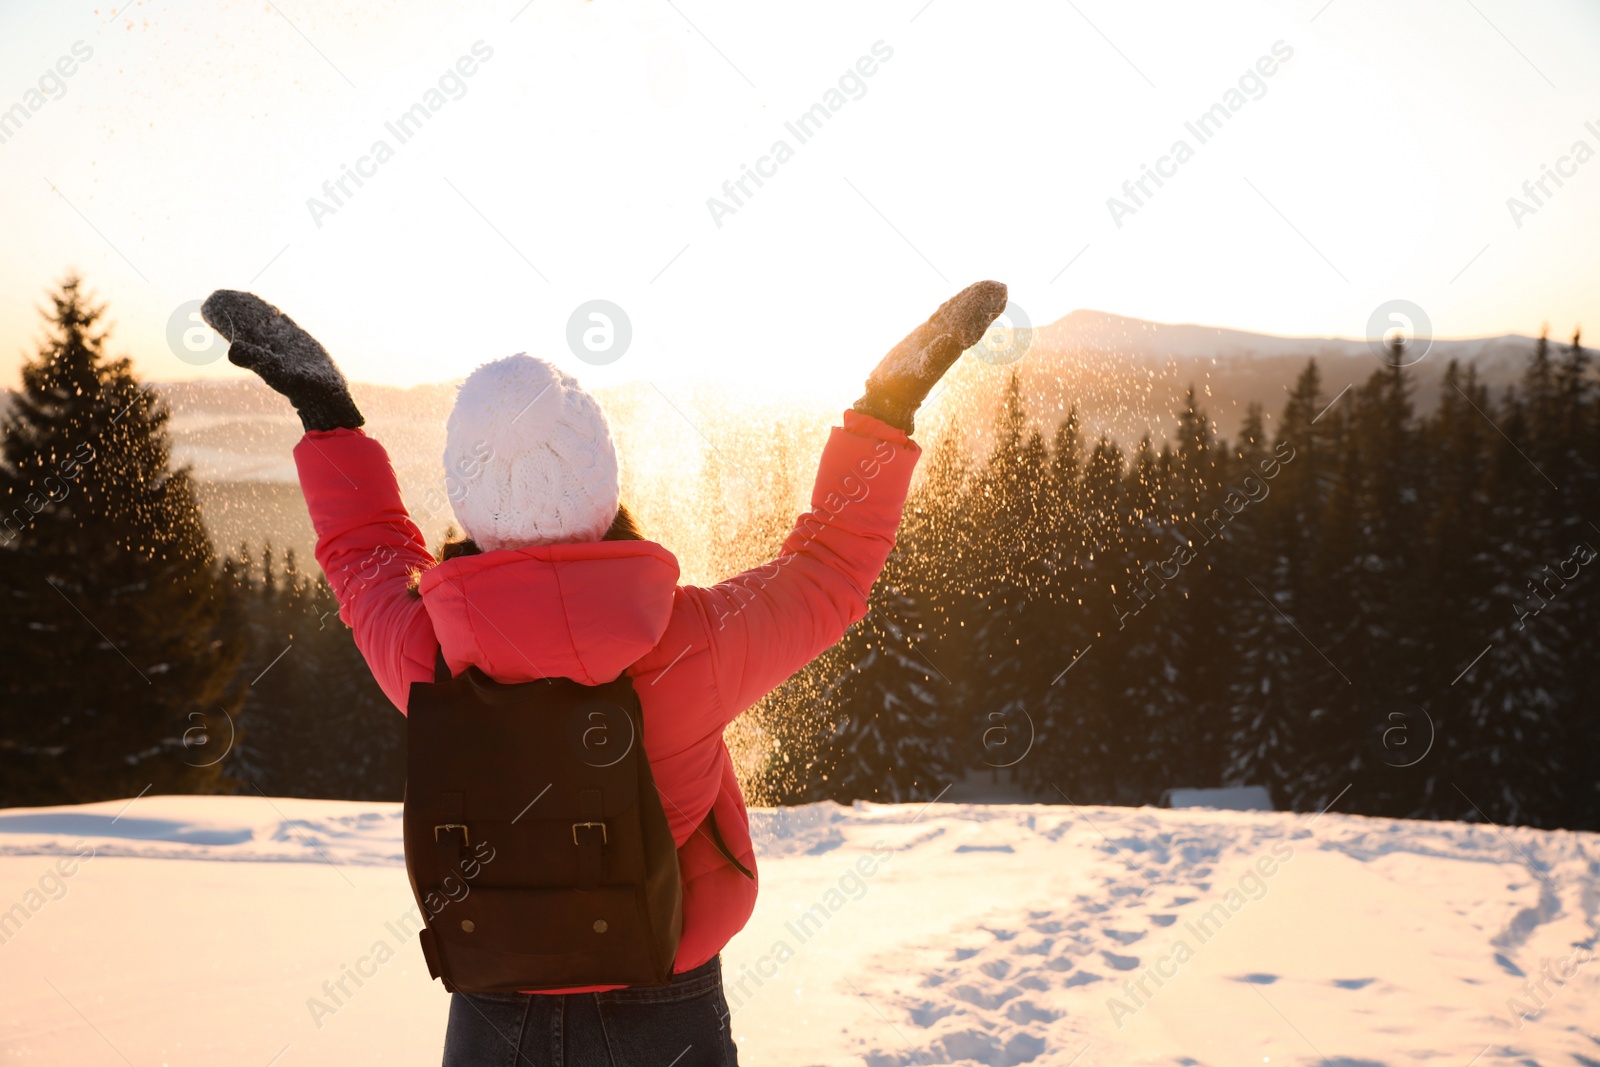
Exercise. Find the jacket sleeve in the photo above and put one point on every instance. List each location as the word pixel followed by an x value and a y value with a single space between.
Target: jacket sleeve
pixel 368 547
pixel 770 621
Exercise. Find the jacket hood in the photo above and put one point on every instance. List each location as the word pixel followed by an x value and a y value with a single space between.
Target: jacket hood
pixel 584 611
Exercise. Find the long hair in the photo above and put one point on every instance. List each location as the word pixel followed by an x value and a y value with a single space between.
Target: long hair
pixel 623 528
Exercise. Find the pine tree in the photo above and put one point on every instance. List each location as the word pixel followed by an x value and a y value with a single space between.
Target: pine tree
pixel 1275 692
pixel 1147 703
pixel 1581 475
pixel 889 741
pixel 1011 590
pixel 1505 741
pixel 117 668
pixel 1204 605
pixel 1079 741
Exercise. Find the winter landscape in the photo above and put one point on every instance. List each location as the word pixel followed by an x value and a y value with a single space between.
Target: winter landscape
pixel 1089 513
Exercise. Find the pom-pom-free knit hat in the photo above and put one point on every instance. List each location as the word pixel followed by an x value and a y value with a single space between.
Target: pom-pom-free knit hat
pixel 528 457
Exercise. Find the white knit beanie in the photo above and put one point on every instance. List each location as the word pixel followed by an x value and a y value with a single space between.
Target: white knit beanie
pixel 528 457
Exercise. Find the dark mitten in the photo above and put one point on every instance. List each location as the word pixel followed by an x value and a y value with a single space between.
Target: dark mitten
pixel 265 340
pixel 902 380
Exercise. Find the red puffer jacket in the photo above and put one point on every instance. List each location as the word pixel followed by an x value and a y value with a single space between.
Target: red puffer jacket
pixel 697 656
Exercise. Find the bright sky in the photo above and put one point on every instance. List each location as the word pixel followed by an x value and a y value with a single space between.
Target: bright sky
pixel 576 161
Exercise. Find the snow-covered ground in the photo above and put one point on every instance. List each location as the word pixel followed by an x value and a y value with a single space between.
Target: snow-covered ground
pixel 202 930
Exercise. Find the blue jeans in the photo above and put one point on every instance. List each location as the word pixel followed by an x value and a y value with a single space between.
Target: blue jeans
pixel 684 1024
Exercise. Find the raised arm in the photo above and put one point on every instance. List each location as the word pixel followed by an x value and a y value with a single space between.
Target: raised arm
pixel 368 547
pixel 366 543
pixel 770 621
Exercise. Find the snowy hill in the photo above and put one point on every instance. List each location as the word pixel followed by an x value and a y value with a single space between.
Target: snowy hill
pixel 1159 341
pixel 205 930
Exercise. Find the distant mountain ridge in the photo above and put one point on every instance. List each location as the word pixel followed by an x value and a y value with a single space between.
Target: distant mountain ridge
pixel 1138 341
pixel 1126 377
pixel 1158 340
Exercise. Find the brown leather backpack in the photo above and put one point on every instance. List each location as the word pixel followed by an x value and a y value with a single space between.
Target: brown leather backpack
pixel 535 839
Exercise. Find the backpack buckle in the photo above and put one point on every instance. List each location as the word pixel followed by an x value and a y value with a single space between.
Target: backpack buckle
pixel 589 825
pixel 466 838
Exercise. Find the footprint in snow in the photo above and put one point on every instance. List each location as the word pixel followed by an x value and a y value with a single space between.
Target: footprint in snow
pixel 1509 967
pixel 984 848
pixel 1081 978
pixel 1121 963
pixel 1353 983
pixel 996 968
pixel 926 1014
pixel 1257 978
pixel 980 998
pixel 1024 1048
pixel 1026 1011
pixel 1163 920
pixel 1124 937
pixel 971 1044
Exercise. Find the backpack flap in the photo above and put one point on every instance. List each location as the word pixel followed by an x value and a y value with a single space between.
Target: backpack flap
pixel 543 782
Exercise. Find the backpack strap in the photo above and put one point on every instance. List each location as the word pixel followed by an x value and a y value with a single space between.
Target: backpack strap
pixel 722 847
